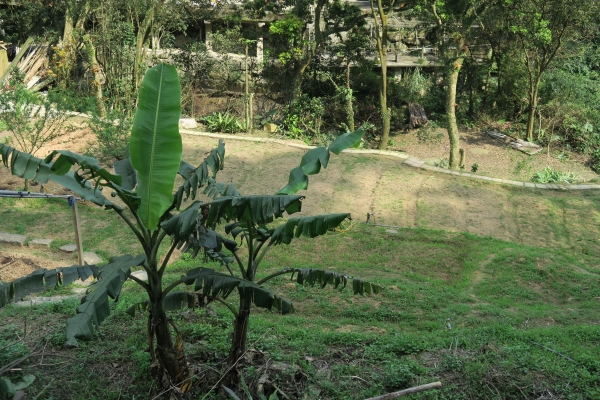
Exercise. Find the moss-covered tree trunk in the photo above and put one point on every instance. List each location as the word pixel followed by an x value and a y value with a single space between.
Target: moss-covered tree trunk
pixel 531 110
pixel 142 33
pixel 453 133
pixel 381 30
pixel 349 105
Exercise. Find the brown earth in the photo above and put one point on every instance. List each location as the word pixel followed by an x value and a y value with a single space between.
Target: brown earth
pixel 500 161
pixel 15 264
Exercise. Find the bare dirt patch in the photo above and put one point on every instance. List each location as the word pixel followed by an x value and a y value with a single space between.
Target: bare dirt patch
pixel 492 157
pixel 14 265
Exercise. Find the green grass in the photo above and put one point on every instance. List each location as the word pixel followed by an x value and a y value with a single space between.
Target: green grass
pixel 103 231
pixel 509 305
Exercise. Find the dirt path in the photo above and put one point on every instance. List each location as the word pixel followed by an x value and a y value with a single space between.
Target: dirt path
pixel 403 196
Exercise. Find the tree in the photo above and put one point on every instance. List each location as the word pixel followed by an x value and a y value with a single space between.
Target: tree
pixel 454 23
pixel 144 183
pixel 541 28
pixel 296 46
pixel 381 16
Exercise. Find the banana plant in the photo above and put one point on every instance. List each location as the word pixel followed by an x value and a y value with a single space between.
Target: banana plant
pixel 144 184
pixel 248 221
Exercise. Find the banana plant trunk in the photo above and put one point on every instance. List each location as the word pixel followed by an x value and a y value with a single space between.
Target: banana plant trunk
pixel 165 354
pixel 240 328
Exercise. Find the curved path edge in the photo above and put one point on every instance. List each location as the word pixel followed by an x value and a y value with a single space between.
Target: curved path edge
pixel 407 159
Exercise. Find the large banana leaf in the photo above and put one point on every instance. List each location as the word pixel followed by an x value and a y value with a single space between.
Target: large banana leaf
pixel 128 173
pixel 311 276
pixel 155 144
pixel 94 306
pixel 41 280
pixel 347 140
pixel 203 174
pixel 216 284
pixel 308 226
pixel 90 166
pixel 258 209
pixel 41 170
pixel 314 159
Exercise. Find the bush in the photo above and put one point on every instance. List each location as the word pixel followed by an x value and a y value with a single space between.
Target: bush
pixel 550 175
pixel 112 134
pixel 31 117
pixel 222 122
pixel 595 162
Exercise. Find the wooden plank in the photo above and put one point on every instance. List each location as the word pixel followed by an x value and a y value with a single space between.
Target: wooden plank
pixel 17 58
pixel 3 62
pixel 517 144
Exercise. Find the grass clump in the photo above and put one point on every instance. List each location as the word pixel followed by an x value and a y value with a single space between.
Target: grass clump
pixel 551 175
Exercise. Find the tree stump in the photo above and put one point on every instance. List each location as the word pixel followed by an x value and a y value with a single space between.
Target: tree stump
pixel 417 115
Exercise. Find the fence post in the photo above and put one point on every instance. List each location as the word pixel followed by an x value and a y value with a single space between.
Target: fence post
pixel 73 204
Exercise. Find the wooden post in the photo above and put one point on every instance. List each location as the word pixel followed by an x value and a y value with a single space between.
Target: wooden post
pixel 463 158
pixel 73 204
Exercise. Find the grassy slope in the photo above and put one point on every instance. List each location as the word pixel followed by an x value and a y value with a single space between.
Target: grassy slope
pixel 500 297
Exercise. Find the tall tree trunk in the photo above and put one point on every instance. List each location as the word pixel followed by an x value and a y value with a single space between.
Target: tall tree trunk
pixel 381 30
pixel 349 105
pixel 385 111
pixel 95 69
pixel 453 134
pixel 533 101
pixel 68 30
pixel 142 33
pixel 247 95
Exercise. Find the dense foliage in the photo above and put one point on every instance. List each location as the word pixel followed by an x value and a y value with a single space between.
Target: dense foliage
pixel 535 64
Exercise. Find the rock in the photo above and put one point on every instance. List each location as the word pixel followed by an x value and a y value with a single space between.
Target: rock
pixel 79 290
pixel 91 258
pixel 270 128
pixel 39 300
pixel 394 231
pixel 141 275
pixel 188 123
pixel 10 238
pixel 69 248
pixel 40 243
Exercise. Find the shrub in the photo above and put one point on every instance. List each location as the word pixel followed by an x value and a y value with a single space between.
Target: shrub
pixel 112 134
pixel 550 175
pixel 222 122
